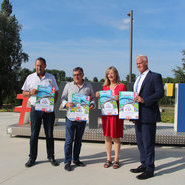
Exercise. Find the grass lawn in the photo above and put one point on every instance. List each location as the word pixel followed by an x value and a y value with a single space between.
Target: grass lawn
pixel 168 115
pixel 6 110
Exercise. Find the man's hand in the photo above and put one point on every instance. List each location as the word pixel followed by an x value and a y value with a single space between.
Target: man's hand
pixel 33 92
pixel 30 93
pixel 69 105
pixel 97 94
pixel 139 99
pixel 91 107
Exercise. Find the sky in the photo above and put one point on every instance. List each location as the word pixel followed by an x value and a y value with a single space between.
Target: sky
pixel 95 34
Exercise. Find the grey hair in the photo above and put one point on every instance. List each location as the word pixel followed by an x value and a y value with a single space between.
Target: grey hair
pixel 79 69
pixel 144 58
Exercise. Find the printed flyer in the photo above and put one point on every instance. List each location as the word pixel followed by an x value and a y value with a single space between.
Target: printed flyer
pixel 128 109
pixel 45 98
pixel 107 103
pixel 80 111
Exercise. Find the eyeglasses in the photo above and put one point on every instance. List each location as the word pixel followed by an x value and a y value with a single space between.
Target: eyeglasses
pixel 77 74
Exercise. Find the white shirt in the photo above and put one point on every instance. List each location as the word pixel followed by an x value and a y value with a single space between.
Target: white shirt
pixel 143 76
pixel 33 80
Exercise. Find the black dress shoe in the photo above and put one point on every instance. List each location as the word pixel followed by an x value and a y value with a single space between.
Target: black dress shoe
pixel 30 163
pixel 53 162
pixel 67 167
pixel 145 175
pixel 79 163
pixel 138 170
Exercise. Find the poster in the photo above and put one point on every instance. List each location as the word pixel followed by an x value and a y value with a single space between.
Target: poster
pixel 45 98
pixel 128 109
pixel 107 103
pixel 80 111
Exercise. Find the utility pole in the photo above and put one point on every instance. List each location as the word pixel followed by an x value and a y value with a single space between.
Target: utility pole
pixel 130 14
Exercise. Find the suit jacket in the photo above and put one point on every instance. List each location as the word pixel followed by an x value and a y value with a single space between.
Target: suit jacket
pixel 152 91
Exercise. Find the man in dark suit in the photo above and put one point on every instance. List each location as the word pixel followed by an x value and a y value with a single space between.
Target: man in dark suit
pixel 150 90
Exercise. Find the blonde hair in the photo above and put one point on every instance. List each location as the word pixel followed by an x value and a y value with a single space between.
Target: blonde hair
pixel 107 81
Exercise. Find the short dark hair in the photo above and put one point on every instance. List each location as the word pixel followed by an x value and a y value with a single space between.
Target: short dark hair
pixel 41 59
pixel 78 69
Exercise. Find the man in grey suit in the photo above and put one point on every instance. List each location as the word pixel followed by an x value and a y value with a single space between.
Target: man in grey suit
pixel 149 87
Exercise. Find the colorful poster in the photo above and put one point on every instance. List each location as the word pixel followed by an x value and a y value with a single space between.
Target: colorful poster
pixel 107 103
pixel 80 111
pixel 128 109
pixel 45 98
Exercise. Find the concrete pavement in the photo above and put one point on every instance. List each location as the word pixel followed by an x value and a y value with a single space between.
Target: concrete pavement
pixel 170 163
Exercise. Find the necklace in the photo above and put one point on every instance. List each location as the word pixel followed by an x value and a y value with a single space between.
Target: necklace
pixel 112 86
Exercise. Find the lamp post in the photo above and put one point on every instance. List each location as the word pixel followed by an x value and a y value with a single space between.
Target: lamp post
pixel 130 14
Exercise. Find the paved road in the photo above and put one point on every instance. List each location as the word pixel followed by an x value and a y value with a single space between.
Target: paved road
pixel 170 163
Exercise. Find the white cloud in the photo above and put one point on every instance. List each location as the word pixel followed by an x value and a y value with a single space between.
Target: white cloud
pixel 122 24
pixel 126 21
pixel 94 55
pixel 123 27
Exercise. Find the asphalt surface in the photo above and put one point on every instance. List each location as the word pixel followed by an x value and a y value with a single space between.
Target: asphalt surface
pixel 170 163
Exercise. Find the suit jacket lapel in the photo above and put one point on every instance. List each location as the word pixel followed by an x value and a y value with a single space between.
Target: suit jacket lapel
pixel 145 81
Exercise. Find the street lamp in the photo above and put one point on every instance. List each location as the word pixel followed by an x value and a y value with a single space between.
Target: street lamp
pixel 130 14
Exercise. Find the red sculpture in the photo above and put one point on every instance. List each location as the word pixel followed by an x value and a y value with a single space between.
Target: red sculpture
pixel 22 109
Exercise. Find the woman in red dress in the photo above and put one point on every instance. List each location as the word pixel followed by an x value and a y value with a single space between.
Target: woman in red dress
pixel 112 125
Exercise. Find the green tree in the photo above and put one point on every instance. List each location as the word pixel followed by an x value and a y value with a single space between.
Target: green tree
pixel 69 79
pixel 23 75
pixel 133 77
pixel 86 79
pixel 6 8
pixel 179 72
pixel 168 80
pixel 11 53
pixel 95 79
pixel 102 80
pixel 59 75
